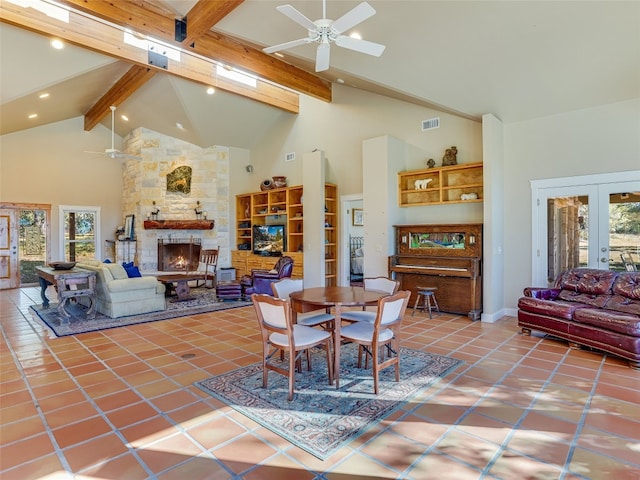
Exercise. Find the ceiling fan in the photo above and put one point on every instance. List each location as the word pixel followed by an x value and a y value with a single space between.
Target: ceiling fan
pixel 326 31
pixel 113 152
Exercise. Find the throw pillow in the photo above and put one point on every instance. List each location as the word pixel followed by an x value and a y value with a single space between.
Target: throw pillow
pixel 107 261
pixel 131 269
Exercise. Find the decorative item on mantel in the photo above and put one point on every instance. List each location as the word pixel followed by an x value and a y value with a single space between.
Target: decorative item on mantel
pixel 266 185
pixel 200 214
pixel 431 163
pixel 155 212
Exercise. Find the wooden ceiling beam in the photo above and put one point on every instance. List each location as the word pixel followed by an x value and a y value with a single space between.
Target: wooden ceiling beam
pixel 143 17
pixel 107 39
pixel 207 13
pixel 130 82
pixel 204 15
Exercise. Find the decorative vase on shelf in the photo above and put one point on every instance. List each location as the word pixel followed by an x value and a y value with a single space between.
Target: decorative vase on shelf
pixel 266 185
pixel 279 182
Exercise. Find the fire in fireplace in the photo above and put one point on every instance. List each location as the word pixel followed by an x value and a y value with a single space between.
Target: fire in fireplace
pixel 178 254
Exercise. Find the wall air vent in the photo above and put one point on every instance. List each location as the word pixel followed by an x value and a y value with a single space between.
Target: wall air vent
pixel 290 157
pixel 431 124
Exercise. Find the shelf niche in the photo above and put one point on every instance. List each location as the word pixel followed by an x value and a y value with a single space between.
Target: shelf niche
pixel 178 224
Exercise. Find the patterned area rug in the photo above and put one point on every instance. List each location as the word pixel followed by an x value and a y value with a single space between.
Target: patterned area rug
pixel 203 301
pixel 321 419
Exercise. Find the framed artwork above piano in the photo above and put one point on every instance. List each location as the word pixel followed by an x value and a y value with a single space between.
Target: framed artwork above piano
pixel 448 257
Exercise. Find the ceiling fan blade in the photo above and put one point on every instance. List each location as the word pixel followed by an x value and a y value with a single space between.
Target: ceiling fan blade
pixel 297 17
pixel 287 45
pixel 322 57
pixel 353 17
pixel 362 46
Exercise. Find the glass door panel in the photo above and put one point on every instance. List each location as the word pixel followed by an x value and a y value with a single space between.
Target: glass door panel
pixel 32 243
pixel 620 245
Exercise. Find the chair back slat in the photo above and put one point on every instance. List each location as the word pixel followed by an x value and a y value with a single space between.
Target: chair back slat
pixel 286 286
pixel 381 284
pixel 391 311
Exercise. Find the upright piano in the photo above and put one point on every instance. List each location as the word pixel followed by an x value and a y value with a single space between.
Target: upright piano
pixel 448 257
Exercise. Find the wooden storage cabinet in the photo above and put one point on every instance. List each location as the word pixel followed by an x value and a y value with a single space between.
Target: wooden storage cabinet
pixel 440 185
pixel 244 262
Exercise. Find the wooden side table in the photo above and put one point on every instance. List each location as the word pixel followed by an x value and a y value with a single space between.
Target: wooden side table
pixel 68 284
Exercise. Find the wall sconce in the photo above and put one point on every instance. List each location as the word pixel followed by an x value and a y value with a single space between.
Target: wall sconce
pixel 198 210
pixel 154 212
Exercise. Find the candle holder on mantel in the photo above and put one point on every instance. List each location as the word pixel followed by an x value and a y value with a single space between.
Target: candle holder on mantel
pixel 155 212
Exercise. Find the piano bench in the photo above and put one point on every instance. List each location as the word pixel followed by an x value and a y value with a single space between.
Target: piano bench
pixel 428 296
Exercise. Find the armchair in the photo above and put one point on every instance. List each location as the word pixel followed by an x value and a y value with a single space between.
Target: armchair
pixel 260 280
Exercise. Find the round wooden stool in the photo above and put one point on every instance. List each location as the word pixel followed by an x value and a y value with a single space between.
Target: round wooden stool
pixel 428 295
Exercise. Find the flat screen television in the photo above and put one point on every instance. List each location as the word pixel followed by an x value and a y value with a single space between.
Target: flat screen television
pixel 269 240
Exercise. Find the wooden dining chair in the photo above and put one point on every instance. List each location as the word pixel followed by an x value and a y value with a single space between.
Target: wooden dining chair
pixel 378 284
pixel 280 334
pixel 209 258
pixel 285 287
pixel 383 332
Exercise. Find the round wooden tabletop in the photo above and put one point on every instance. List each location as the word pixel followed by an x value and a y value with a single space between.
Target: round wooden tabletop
pixel 328 296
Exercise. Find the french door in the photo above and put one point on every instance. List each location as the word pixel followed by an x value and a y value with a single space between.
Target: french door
pixel 24 242
pixel 587 225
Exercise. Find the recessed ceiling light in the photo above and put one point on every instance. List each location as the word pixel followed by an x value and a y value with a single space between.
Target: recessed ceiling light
pixel 44 95
pixel 211 91
pixel 57 44
pixel 33 115
pixel 124 117
pixel 356 35
pixel 179 125
pixel 278 54
pixel 339 80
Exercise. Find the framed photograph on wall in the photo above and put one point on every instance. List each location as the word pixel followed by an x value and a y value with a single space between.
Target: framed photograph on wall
pixel 128 228
pixel 357 217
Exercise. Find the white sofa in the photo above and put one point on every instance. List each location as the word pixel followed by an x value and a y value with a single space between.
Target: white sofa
pixel 117 295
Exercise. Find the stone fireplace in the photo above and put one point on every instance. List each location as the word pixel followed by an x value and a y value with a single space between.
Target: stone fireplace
pixel 145 182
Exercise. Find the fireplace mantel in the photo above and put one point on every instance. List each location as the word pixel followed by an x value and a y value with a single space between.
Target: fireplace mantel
pixel 178 224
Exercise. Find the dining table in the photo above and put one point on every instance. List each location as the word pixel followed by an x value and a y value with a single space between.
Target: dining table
pixel 337 298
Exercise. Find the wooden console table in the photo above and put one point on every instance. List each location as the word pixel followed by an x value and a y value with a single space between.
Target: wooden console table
pixel 69 284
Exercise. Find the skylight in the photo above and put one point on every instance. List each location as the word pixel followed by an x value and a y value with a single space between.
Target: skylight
pixel 237 76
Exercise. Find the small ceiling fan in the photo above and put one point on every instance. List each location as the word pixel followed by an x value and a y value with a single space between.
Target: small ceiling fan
pixel 113 152
pixel 326 31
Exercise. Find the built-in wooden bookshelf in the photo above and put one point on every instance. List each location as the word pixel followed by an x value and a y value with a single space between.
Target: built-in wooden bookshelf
pixel 283 206
pixel 453 184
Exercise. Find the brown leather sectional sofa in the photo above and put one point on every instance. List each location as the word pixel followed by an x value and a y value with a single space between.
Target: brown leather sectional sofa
pixel 594 308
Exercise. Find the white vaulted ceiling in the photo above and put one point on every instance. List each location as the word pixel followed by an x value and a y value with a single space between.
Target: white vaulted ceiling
pixel 517 60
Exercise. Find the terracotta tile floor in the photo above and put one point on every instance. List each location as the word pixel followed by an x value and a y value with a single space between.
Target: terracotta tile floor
pixel 120 404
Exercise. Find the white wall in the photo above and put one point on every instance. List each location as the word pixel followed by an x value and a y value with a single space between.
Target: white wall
pixel 493 229
pixel 340 127
pixel 590 141
pixel 48 164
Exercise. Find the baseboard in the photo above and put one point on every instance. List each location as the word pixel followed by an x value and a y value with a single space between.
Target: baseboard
pixel 494 317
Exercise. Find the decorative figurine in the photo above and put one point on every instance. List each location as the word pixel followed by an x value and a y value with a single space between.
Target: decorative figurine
pixel 450 155
pixel 431 163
